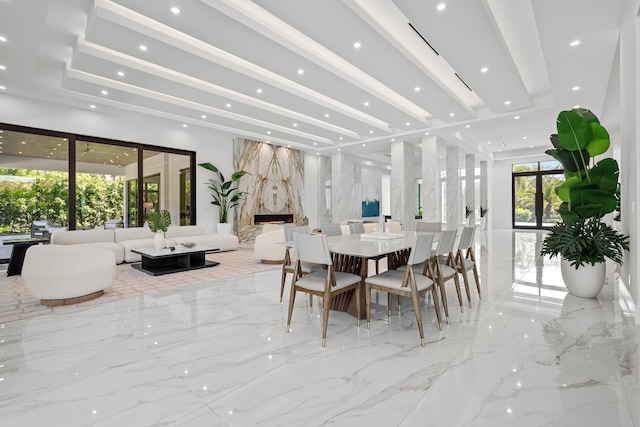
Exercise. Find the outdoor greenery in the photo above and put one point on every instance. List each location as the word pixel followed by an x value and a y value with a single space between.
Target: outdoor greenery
pixel 29 195
pixel 525 199
pixel 225 193
pixel 588 193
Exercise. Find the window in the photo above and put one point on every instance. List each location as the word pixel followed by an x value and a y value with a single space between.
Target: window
pixel 534 197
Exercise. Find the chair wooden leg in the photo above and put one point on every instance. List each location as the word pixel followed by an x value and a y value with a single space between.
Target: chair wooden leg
pixel 326 303
pixel 291 300
pixel 445 303
pixel 465 279
pixel 475 274
pixel 416 307
pixel 284 278
pixel 457 282
pixel 389 304
pixel 368 299
pixel 358 311
pixel 398 304
pixel 310 303
pixel 434 294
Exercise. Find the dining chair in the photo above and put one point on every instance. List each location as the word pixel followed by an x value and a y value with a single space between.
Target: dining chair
pixel 331 230
pixel 356 228
pixel 467 261
pixel 326 283
pixel 408 283
pixel 429 227
pixel 289 266
pixel 444 268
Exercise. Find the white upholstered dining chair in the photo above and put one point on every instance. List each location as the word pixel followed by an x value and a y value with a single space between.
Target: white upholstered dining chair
pixel 444 267
pixel 467 261
pixel 289 266
pixel 326 283
pixel 331 230
pixel 408 283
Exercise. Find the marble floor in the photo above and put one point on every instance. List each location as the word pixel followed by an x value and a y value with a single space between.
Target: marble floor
pixel 216 354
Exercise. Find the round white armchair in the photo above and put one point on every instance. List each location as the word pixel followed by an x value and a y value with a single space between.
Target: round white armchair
pixel 67 274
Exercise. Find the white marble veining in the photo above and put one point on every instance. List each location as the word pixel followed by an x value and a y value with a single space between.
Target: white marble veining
pixel 343 184
pixel 403 186
pixel 433 147
pixel 217 354
pixel 453 190
pixel 324 190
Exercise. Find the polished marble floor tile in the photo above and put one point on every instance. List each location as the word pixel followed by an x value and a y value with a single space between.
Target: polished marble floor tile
pixel 217 354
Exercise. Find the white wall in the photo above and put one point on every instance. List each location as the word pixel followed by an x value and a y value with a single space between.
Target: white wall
pixel 209 146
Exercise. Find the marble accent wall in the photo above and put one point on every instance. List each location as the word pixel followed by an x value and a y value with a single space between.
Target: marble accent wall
pixel 433 153
pixel 343 187
pixel 324 191
pixel 403 202
pixel 275 184
pixel 453 192
pixel 470 187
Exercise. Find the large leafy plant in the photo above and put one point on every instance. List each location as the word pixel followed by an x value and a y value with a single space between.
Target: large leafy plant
pixel 159 221
pixel 588 193
pixel 589 189
pixel 225 194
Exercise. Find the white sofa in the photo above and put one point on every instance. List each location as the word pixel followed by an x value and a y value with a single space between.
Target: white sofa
pixel 60 275
pixel 268 246
pixel 120 241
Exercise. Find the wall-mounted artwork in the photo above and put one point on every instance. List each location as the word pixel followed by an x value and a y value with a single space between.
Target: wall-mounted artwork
pixel 370 208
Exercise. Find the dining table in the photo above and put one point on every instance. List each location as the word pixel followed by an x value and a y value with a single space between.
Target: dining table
pixel 351 254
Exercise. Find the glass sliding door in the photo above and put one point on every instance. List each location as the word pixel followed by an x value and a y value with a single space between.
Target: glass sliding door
pixel 534 197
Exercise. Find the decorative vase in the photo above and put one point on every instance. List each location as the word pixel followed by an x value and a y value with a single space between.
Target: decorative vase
pixel 223 228
pixel 587 281
pixel 158 240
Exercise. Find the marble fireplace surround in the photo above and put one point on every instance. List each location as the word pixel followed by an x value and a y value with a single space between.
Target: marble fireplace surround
pixel 274 185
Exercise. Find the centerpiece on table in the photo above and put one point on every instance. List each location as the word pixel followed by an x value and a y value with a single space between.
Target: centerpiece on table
pixel 159 222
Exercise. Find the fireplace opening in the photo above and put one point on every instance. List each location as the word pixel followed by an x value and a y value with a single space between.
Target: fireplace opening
pixel 273 219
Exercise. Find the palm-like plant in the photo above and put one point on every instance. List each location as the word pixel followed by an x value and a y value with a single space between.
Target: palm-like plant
pixel 225 193
pixel 159 221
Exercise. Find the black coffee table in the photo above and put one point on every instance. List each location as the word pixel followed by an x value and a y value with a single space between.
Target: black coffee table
pixel 18 252
pixel 165 261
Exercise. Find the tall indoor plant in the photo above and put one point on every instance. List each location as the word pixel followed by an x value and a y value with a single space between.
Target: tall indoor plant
pixel 583 240
pixel 225 194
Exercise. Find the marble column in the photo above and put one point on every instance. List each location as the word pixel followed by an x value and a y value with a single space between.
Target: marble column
pixel 342 186
pixel 484 186
pixel 433 153
pixel 453 210
pixel 403 201
pixel 470 187
pixel 358 193
pixel 324 191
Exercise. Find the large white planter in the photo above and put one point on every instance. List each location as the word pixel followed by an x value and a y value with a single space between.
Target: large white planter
pixel 223 228
pixel 587 281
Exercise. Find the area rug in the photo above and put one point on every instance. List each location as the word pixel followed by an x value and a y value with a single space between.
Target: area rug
pixel 16 302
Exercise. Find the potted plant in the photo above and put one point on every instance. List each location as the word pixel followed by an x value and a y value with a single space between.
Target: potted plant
pixel 158 223
pixel 225 194
pixel 582 239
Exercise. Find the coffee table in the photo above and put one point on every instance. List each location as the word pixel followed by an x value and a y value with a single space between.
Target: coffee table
pixel 165 261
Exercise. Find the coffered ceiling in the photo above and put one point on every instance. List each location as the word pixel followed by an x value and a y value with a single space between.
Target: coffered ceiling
pixel 323 75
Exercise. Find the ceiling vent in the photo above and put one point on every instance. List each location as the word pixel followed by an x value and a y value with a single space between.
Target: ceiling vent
pixel 423 39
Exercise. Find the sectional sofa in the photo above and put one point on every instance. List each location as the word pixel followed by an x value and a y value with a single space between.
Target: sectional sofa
pixel 120 241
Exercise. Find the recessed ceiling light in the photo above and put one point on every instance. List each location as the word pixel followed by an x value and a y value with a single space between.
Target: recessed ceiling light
pixel 575 88
pixel 338 149
pixel 300 71
pixel 417 88
pixel 393 140
pixel 484 69
pixel 19 152
pixel 317 154
pixel 488 142
pixel 143 48
pixel 175 10
pixel 467 126
pixel 370 131
pixel 407 124
pixel 23 142
pixel 295 125
pixel 441 7
pixel 426 133
pixel 120 74
pixel 326 115
pixel 2 87
pixel 575 43
pixel 531 146
pixel 259 90
pixel 288 146
pixel 228 105
pixel 204 116
pixel 104 92
pixel 366 103
pixel 3 39
pixel 2 67
pixel 452 114
pixel 184 125
pixel 315 143
pixel 507 102
pixel 340 138
pixel 92 106
pixel 524 137
pixel 516 117
pixel 357 45
pixel 364 145
pixel 268 132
